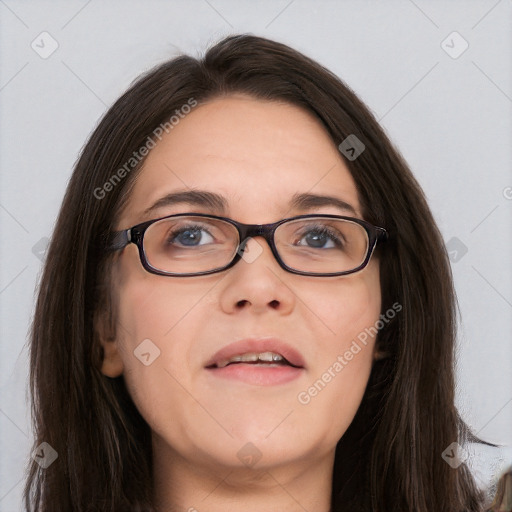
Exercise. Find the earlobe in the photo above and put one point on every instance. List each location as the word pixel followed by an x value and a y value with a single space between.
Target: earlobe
pixel 112 364
pixel 378 354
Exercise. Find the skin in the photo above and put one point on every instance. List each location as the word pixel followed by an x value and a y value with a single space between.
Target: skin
pixel 257 154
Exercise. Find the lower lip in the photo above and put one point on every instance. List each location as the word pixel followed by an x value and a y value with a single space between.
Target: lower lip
pixel 258 375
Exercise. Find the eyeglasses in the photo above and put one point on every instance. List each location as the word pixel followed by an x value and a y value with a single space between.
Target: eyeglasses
pixel 194 244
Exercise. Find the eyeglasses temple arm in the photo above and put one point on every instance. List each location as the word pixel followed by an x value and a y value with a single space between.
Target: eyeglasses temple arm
pixel 118 240
pixel 382 236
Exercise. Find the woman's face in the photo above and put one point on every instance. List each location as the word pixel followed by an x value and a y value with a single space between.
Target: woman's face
pixel 257 155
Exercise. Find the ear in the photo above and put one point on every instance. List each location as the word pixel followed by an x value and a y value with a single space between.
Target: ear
pixel 112 363
pixel 378 354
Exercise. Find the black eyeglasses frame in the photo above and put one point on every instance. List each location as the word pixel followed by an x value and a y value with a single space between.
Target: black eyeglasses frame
pixel 118 240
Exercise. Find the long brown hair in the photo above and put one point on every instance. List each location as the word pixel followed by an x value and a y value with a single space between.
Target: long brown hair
pixel 390 457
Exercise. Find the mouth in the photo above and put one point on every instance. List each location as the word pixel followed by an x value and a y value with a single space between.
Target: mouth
pixel 257 362
pixel 266 359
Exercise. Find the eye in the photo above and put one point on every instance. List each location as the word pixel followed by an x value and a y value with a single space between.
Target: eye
pixel 190 236
pixel 320 237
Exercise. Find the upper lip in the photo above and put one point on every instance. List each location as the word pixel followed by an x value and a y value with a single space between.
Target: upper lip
pixel 258 345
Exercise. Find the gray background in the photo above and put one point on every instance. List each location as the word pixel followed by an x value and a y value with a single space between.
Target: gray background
pixel 448 112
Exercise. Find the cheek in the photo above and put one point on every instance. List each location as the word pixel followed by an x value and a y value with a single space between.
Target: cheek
pixel 349 313
pixel 151 314
pixel 159 323
pixel 152 306
pixel 343 311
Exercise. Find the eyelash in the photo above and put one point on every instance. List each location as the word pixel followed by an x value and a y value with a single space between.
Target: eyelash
pixel 324 230
pixel 317 229
pixel 178 231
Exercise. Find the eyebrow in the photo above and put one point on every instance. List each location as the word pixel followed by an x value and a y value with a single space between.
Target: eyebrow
pixel 312 201
pixel 202 198
pixel 218 203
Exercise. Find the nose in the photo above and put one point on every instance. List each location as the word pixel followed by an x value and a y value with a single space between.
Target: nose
pixel 257 283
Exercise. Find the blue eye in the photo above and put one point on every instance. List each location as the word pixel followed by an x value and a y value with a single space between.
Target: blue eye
pixel 318 236
pixel 190 236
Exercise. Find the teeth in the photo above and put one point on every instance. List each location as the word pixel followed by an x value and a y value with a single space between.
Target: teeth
pixel 269 357
pixel 266 357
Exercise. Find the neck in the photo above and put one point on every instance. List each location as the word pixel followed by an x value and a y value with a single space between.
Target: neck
pixel 197 486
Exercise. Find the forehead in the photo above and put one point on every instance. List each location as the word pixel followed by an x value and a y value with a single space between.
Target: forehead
pixel 257 154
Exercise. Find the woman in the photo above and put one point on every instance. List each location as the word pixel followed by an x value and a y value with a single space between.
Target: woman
pixel 192 351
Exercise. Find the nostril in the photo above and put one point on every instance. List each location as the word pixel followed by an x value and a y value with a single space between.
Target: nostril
pixel 274 304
